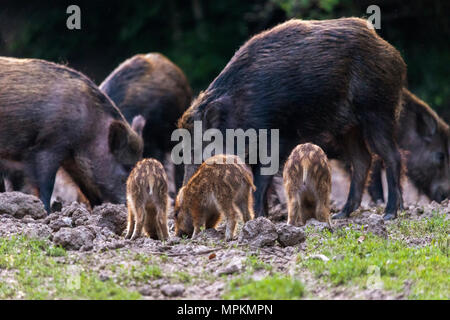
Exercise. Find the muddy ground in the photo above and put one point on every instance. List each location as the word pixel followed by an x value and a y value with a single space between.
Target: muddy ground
pixel 198 268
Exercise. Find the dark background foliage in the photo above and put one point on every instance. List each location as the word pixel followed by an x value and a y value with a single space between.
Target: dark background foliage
pixel 201 35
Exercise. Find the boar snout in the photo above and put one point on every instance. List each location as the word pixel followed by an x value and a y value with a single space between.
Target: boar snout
pixel 440 192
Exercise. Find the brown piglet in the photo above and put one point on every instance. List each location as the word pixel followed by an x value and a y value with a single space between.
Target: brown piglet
pixel 147 201
pixel 307 182
pixel 222 186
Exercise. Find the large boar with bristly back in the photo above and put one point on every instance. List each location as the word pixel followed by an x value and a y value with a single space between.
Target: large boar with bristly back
pixel 154 87
pixel 314 81
pixel 425 138
pixel 52 116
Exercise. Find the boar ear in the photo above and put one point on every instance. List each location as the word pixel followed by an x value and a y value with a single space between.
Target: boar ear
pixel 125 144
pixel 118 137
pixel 138 124
pixel 426 125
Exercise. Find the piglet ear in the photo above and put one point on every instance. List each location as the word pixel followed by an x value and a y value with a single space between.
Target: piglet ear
pixel 138 124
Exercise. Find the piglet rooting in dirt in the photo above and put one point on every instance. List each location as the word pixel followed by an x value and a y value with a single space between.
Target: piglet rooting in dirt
pixel 147 201
pixel 307 181
pixel 222 186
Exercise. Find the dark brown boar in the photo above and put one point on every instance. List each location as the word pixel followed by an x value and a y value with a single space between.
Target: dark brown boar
pixel 307 182
pixel 147 201
pixel 154 87
pixel 222 187
pixel 311 79
pixel 53 116
pixel 426 138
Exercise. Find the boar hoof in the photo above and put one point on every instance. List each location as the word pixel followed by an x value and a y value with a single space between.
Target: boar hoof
pixel 389 216
pixel 340 215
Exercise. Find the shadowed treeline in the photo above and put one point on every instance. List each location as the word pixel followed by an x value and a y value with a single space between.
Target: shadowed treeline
pixel 201 36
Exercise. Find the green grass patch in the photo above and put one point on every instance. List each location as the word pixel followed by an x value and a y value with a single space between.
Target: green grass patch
pixel 366 260
pixel 138 273
pixel 254 263
pixel 182 276
pixel 275 287
pixel 35 274
pixel 435 226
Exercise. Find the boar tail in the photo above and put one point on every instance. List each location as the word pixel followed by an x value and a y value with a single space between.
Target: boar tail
pixel 151 181
pixel 305 174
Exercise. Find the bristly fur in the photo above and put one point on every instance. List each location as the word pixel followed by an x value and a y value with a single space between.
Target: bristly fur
pixel 422 135
pixel 307 182
pixel 147 201
pixel 221 187
pixel 152 86
pixel 53 116
pixel 315 81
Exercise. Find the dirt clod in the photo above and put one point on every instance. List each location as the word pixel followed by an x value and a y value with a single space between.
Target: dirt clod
pixel 79 238
pixel 19 205
pixel 172 290
pixel 234 265
pixel 259 233
pixel 61 222
pixel 289 235
pixel 112 216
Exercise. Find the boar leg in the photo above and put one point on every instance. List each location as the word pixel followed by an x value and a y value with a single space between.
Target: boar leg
pixel 130 221
pixel 198 221
pixel 293 207
pixel 385 147
pixel 2 176
pixel 161 225
pixel 395 200
pixel 375 187
pixel 42 170
pixel 17 180
pixel 179 175
pixel 233 213
pixel 162 215
pixel 139 222
pixel 246 206
pixel 196 230
pixel 262 183
pixel 360 160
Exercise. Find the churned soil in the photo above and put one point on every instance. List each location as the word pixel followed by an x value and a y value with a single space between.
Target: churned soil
pixel 200 268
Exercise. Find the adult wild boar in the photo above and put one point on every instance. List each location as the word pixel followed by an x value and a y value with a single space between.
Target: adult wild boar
pixel 53 116
pixel 154 87
pixel 312 80
pixel 426 139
